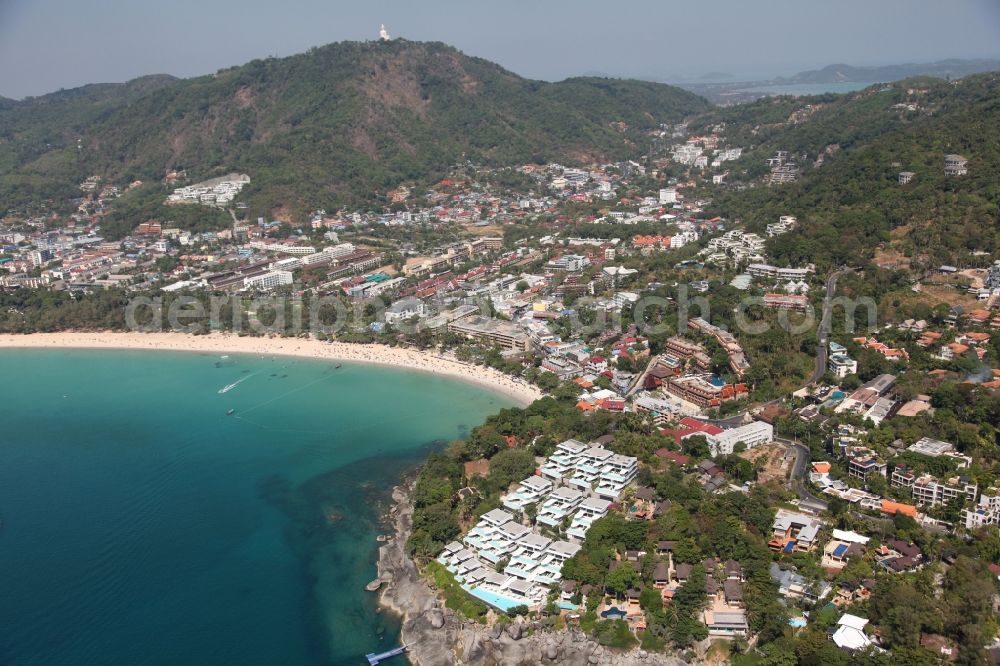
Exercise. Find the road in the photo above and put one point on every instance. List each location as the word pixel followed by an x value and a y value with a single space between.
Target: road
pixel 823 334
pixel 802 456
pixel 798 476
pixel 800 467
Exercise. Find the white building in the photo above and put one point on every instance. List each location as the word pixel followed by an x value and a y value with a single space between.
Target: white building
pixel 289 264
pixel 751 434
pixel 986 511
pixel 623 298
pixel 560 504
pixel 529 492
pixel 668 195
pixel 589 510
pixel 935 448
pixel 842 365
pixel 268 280
pixel 850 633
pixel 404 309
pixel 768 271
pixel 328 254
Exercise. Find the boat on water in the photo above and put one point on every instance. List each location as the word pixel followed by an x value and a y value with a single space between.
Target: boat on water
pixel 338 366
pixel 230 412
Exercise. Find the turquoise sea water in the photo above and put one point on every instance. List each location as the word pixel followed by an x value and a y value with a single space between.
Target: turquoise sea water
pixel 142 525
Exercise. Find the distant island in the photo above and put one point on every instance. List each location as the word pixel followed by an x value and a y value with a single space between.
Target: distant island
pixel 840 73
pixel 832 78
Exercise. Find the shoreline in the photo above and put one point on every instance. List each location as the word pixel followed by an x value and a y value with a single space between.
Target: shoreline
pixel 437 636
pixel 372 354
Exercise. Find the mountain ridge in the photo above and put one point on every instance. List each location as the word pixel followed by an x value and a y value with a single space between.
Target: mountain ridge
pixel 334 125
pixel 842 73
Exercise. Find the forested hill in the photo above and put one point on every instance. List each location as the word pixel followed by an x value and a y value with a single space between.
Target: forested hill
pixel 952 68
pixel 851 207
pixel 335 124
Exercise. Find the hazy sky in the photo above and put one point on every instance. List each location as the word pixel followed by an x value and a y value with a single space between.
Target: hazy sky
pixel 51 44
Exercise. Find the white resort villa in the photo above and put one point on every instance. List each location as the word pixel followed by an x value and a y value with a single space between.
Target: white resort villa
pixel 571 490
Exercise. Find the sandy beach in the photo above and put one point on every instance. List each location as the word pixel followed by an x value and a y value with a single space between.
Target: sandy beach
pixel 223 343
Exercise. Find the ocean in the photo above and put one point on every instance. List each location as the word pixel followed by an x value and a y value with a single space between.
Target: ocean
pixel 141 524
pixel 810 88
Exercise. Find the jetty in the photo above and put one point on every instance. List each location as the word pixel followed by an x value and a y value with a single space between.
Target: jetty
pixel 376 658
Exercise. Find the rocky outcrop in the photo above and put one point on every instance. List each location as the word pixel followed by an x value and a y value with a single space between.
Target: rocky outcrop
pixel 437 636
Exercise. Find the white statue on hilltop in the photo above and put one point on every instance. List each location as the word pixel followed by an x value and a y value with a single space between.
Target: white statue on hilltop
pixel 383 34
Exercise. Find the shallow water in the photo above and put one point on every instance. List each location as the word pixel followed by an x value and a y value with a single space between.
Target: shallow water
pixel 142 525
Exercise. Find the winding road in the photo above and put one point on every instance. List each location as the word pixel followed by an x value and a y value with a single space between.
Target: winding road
pixel 824 325
pixel 802 455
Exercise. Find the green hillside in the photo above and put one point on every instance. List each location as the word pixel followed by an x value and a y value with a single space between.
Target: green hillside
pixel 38 136
pixel 852 208
pixel 338 124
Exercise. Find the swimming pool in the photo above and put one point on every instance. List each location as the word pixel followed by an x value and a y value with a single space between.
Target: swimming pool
pixel 493 599
pixel 798 622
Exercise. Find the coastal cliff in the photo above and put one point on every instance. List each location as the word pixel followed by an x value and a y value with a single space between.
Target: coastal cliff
pixel 437 636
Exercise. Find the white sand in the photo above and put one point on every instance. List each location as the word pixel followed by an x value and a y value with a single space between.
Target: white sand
pixel 408 359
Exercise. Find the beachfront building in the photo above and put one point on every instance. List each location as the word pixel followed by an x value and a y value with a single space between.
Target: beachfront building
pixel 404 309
pixel 529 492
pixel 726 623
pixel 492 332
pixel 574 488
pixel 530 562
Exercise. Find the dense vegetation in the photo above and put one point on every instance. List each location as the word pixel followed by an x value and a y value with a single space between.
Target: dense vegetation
pixel 853 205
pixel 39 157
pixel 337 124
pixel 728 526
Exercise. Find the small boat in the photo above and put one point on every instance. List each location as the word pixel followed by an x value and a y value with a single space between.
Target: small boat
pixel 230 412
pixel 338 366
